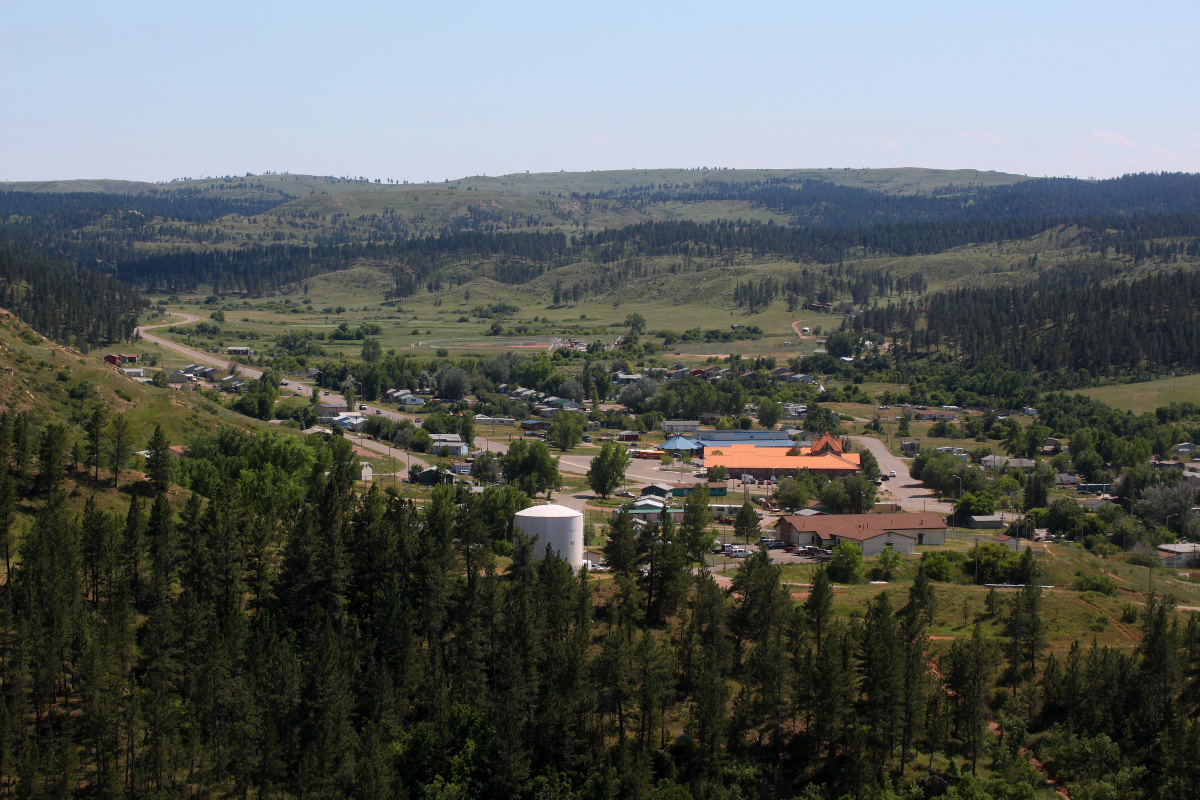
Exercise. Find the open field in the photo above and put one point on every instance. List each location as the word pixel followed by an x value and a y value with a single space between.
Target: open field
pixel 1142 397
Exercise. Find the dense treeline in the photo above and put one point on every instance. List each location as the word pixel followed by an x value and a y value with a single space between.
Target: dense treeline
pixel 283 636
pixel 1060 323
pixel 1128 216
pixel 822 204
pixel 81 307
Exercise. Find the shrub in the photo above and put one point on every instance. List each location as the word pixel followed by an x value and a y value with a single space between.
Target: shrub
pixel 1101 584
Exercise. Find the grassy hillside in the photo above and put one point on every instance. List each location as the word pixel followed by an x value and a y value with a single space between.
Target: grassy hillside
pixel 899 180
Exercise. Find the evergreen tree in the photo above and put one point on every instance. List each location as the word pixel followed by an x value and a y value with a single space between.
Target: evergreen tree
pixel 120 446
pixel 158 460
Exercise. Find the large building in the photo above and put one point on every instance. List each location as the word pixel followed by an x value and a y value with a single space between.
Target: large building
pixel 825 456
pixel 872 532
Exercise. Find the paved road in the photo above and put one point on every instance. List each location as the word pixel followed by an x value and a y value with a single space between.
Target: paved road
pixel 902 489
pixel 199 356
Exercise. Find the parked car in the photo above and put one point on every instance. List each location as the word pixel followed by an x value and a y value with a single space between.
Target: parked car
pixel 587 439
pixel 625 494
pixel 892 474
pixel 362 406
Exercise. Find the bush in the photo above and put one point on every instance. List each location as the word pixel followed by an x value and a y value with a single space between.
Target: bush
pixel 1101 584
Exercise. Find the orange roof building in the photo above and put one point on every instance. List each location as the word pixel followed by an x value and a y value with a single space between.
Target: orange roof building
pixel 823 458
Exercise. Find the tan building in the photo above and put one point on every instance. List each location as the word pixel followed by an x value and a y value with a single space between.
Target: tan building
pixel 872 532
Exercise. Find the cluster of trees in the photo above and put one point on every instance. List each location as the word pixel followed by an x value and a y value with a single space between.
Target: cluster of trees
pixel 78 307
pixel 1055 323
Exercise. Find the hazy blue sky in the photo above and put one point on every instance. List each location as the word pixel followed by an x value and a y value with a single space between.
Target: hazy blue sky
pixel 431 90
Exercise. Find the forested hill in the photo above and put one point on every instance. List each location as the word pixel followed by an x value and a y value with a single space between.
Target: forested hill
pixel 80 307
pixel 1059 322
pixel 817 203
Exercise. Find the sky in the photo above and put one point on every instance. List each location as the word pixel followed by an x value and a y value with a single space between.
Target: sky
pixel 427 91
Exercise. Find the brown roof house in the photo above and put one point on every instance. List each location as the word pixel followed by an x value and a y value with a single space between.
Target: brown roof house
pixel 871 532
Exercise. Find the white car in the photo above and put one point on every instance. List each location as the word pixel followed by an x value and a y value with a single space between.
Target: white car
pixel 892 474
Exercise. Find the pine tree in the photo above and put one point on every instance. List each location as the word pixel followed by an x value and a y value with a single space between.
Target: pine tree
pixel 120 446
pixel 95 438
pixel 158 460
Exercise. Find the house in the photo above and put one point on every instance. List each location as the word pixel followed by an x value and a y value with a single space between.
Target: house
pixel 1065 479
pixel 364 471
pixel 351 420
pixel 1181 555
pixel 449 442
pixel 680 426
pixel 409 400
pixel 134 372
pixel 657 490
pixel 534 425
pixel 650 509
pixel 433 476
pixel 1011 542
pixel 718 489
pixel 328 411
pixel 1004 462
pixel 628 436
pixel 623 378
pixel 1029 411
pixel 238 350
pixel 985 521
pixel 871 532
pixel 1185 449
pixel 177 380
pixel 1095 503
pixel 112 358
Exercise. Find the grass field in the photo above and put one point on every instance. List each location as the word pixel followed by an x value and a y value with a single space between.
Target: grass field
pixel 1142 397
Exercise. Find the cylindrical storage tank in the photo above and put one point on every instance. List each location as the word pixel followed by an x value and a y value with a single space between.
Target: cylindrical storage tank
pixel 557 526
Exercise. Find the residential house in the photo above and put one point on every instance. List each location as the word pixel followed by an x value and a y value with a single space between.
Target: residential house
pixel 680 426
pixel 238 350
pixel 433 476
pixel 134 372
pixel 177 380
pixel 1011 542
pixel 448 442
pixel 650 509
pixel 657 490
pixel 871 532
pixel 1179 556
pixel 1004 462
pixel 985 521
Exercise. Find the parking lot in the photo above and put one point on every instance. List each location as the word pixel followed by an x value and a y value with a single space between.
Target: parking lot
pixel 779 554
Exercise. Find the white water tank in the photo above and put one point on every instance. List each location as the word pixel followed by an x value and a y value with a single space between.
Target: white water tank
pixel 557 526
